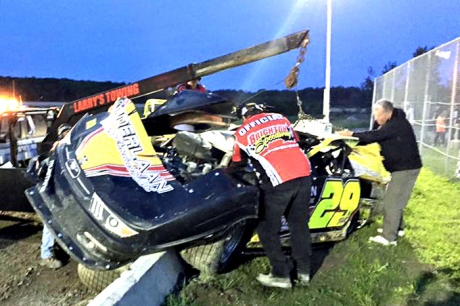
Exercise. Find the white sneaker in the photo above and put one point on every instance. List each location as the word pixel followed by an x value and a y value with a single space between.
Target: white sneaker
pixel 400 233
pixel 271 281
pixel 303 279
pixel 382 240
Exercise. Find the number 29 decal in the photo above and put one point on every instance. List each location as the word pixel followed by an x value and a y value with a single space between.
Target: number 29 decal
pixel 336 204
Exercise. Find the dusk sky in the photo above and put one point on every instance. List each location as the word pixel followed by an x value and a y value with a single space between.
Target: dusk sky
pixel 126 41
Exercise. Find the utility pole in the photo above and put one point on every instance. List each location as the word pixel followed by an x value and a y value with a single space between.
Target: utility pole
pixel 327 88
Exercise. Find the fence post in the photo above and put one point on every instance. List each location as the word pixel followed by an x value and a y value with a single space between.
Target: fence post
pixel 457 173
pixel 383 87
pixel 374 95
pixel 452 102
pixel 406 89
pixel 393 72
pixel 426 98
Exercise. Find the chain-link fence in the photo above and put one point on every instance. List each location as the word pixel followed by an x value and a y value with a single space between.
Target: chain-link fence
pixel 428 89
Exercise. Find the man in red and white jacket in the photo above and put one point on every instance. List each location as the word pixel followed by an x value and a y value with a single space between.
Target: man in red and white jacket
pixel 270 143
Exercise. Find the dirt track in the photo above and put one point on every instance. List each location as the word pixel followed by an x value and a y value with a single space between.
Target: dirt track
pixel 23 281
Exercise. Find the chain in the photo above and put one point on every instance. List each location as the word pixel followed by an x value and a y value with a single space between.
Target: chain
pixel 301 115
pixel 292 78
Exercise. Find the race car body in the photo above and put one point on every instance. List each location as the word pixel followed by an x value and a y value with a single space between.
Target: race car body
pixel 108 197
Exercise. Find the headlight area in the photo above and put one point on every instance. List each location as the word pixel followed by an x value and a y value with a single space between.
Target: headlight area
pixel 89 242
pixel 108 219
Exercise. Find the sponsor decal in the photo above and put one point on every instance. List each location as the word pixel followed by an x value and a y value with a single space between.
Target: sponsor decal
pixel 72 168
pixel 338 201
pixel 262 138
pixel 244 129
pixel 102 213
pixel 129 144
pixel 106 98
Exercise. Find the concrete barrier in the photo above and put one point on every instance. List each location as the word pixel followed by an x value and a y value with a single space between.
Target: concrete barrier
pixel 148 282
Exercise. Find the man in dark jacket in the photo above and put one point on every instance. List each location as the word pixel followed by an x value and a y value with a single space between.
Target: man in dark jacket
pixel 396 137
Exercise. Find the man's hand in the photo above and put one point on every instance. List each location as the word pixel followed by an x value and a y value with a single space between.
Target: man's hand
pixel 345 133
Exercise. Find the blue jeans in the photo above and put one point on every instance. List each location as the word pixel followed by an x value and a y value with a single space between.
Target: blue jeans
pixel 47 243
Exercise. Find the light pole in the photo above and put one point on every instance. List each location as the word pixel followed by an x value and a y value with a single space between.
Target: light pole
pixel 327 87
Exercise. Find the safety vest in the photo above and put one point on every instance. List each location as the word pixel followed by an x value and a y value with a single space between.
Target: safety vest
pixel 440 124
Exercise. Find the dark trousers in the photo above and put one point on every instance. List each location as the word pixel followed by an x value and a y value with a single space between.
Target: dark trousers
pixel 441 136
pixel 291 199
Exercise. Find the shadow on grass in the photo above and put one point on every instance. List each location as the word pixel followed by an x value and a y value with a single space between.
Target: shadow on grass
pixel 421 296
pixel 453 300
pixel 320 252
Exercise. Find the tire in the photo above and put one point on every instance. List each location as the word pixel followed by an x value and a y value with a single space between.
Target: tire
pixel 97 280
pixel 215 257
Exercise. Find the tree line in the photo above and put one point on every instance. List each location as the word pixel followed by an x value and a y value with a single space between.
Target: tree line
pixel 284 101
pixel 52 89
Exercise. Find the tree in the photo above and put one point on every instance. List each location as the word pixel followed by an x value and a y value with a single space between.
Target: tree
pixel 421 50
pixel 389 66
pixel 368 83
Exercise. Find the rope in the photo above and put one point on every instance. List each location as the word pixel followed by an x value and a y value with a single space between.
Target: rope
pixel 259 92
pixel 440 152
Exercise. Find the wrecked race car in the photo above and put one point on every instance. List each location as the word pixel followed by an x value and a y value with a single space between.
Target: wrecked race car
pixel 118 187
pixel 109 197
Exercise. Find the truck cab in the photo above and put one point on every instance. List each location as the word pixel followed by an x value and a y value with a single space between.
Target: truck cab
pixel 26 127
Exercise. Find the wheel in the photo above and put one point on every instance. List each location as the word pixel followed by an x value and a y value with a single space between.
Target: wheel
pixel 97 280
pixel 215 257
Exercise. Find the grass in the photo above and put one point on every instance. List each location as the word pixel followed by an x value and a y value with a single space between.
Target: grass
pixel 433 219
pixel 340 123
pixel 439 163
pixel 422 270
